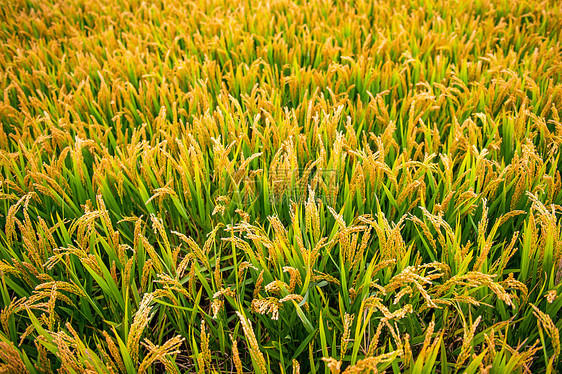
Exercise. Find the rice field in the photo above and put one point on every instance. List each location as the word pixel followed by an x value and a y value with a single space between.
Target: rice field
pixel 276 186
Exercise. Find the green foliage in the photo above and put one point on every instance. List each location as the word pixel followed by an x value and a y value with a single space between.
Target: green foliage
pixel 280 186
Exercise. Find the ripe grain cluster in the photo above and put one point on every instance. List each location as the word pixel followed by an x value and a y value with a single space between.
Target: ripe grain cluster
pixel 235 186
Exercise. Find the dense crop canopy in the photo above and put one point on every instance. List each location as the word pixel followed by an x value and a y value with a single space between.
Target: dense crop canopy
pixel 280 186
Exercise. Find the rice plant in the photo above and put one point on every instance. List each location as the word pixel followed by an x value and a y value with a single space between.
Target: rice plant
pixel 280 186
